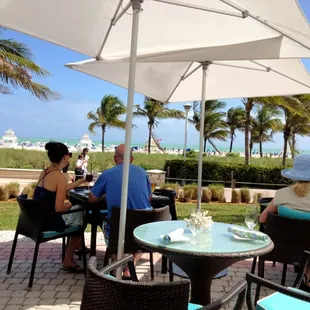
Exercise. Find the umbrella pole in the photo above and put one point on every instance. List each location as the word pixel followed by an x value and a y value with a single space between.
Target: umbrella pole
pixel 136 7
pixel 205 67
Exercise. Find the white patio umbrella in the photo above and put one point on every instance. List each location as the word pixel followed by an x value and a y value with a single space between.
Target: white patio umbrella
pixel 106 28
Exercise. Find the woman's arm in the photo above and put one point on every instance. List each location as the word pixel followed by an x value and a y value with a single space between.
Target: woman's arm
pixel 76 184
pixel 61 191
pixel 271 208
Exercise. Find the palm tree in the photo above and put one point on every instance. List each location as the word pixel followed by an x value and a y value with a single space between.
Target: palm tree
pixel 264 125
pixel 106 116
pixel 17 68
pixel 235 120
pixel 215 125
pixel 154 110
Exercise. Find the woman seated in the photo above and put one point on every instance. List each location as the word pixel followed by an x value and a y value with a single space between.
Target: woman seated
pixel 52 186
pixel 296 196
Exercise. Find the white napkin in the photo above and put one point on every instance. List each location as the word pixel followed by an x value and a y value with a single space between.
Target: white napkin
pixel 175 236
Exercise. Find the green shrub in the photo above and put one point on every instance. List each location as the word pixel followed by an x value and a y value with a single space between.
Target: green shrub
pixel 186 195
pixel 171 186
pixel 191 154
pixel 206 195
pixel 191 187
pixel 28 190
pixel 235 196
pixel 257 197
pixel 233 155
pixel 13 189
pixel 218 192
pixel 3 194
pixel 245 195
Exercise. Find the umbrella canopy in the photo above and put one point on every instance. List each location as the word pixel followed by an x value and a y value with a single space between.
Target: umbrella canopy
pixel 181 81
pixel 103 27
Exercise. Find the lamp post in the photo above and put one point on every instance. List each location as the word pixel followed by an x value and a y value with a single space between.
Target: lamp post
pixel 187 107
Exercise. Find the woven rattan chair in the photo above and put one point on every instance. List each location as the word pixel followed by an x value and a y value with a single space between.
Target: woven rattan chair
pixel 32 218
pixel 290 238
pixel 134 219
pixel 104 292
pixel 284 298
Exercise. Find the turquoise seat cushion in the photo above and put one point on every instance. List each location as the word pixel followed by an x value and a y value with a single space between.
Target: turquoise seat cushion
pixel 50 234
pixel 278 301
pixel 101 211
pixel 293 214
pixel 193 306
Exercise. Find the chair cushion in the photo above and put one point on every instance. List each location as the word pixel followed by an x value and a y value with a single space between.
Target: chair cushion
pixel 293 214
pixel 50 234
pixel 193 306
pixel 278 301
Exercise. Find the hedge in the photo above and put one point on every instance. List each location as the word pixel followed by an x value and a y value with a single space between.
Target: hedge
pixel 214 171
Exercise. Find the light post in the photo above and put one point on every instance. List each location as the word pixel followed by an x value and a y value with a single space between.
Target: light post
pixel 187 107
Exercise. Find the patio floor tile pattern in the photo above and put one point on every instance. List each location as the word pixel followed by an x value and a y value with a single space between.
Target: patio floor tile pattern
pixel 56 289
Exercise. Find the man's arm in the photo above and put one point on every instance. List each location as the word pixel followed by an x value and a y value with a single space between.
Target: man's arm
pixel 93 199
pixel 97 192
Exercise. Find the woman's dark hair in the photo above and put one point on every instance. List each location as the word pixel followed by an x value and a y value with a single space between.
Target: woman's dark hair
pixel 56 151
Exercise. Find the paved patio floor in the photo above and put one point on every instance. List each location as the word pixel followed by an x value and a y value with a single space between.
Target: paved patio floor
pixel 56 289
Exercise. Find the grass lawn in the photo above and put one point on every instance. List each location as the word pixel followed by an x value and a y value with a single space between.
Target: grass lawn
pixel 221 212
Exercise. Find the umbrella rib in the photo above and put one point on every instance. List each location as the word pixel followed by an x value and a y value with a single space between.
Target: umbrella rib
pixel 265 22
pixel 240 67
pixel 202 8
pixel 183 77
pixel 280 73
pixel 112 23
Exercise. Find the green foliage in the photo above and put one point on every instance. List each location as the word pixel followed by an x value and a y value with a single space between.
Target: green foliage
pixel 12 189
pixel 28 190
pixel 186 195
pixel 235 196
pixel 171 186
pixel 191 187
pixel 245 195
pixel 3 194
pixel 206 195
pixel 217 171
pixel 257 197
pixel 218 193
pixel 191 154
pixel 232 155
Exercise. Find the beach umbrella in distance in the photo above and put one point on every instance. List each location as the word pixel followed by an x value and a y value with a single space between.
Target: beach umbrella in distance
pixel 109 28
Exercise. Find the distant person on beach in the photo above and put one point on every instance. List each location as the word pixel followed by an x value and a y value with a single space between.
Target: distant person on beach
pixel 52 186
pixel 85 159
pixel 79 171
pixel 109 187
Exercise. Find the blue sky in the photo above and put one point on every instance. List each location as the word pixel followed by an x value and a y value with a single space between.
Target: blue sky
pixel 66 118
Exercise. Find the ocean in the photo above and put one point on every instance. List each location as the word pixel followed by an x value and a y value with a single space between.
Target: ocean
pixel 238 149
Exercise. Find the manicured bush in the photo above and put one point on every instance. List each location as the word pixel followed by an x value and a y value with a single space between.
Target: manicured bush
pixel 3 194
pixel 186 195
pixel 257 197
pixel 245 195
pixel 12 189
pixel 28 190
pixel 191 187
pixel 206 195
pixel 218 192
pixel 171 186
pixel 233 155
pixel 235 196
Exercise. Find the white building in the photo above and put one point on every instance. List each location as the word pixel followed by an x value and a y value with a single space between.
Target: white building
pixel 85 141
pixel 9 139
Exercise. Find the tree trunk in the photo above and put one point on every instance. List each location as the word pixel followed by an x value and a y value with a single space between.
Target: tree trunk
pixel 293 149
pixel 247 133
pixel 261 148
pixel 213 145
pixel 204 145
pixel 231 142
pixel 251 147
pixel 150 137
pixel 286 136
pixel 102 137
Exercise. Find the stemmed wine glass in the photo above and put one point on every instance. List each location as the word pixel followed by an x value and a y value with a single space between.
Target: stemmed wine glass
pixel 251 214
pixel 89 178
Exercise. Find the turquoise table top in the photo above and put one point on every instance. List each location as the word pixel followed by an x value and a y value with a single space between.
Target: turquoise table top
pixel 217 241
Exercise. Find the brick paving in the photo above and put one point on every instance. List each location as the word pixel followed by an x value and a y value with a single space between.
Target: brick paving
pixel 55 289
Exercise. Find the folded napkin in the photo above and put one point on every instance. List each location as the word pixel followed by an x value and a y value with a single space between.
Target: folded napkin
pixel 175 236
pixel 246 233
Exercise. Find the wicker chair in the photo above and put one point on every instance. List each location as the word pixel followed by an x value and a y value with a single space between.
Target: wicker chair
pixel 290 238
pixel 284 298
pixel 134 219
pixel 32 219
pixel 104 292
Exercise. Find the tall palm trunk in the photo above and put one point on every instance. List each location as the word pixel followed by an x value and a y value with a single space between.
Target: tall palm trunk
pixel 247 134
pixel 293 148
pixel 204 144
pixel 286 136
pixel 261 148
pixel 102 137
pixel 150 138
pixel 213 145
pixel 231 141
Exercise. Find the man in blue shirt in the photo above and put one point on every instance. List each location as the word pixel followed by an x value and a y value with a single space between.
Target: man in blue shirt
pixel 109 187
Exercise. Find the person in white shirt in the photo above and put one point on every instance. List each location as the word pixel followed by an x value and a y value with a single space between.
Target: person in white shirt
pixel 79 171
pixel 85 159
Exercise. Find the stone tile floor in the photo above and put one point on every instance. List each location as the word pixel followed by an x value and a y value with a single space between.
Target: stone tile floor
pixel 56 289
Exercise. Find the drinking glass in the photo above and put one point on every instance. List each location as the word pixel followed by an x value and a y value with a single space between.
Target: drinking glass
pixel 251 215
pixel 89 178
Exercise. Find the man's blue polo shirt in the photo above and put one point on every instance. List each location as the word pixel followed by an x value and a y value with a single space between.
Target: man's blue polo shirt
pixel 110 184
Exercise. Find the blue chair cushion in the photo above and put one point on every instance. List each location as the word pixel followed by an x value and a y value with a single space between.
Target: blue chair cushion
pixel 193 306
pixel 293 214
pixel 101 211
pixel 278 301
pixel 50 234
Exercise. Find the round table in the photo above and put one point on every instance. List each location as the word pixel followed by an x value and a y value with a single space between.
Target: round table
pixel 201 262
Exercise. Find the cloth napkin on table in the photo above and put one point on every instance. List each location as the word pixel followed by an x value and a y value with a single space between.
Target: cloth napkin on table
pixel 246 233
pixel 175 236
